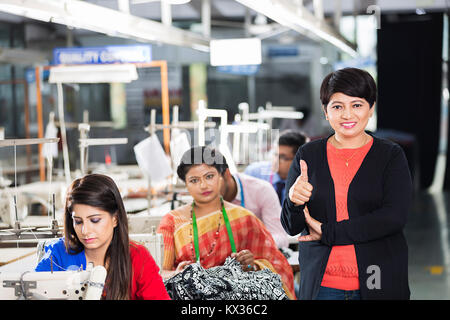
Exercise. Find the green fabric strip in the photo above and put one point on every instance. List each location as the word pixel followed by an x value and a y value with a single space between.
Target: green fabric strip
pixel 195 230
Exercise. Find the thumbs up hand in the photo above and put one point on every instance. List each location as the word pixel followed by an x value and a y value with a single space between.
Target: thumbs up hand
pixel 304 170
pixel 301 190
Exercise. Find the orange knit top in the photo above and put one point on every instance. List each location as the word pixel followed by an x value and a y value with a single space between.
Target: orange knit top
pixel 342 268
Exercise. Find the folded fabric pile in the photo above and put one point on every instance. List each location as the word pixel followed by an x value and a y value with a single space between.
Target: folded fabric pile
pixel 226 282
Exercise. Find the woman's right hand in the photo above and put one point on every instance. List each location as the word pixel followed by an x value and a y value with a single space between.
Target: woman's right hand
pixel 246 259
pixel 301 190
pixel 182 265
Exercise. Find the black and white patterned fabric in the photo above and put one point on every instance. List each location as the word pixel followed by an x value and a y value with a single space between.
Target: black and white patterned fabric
pixel 227 282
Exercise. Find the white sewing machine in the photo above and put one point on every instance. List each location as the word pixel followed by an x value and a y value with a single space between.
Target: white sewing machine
pixel 154 243
pixel 61 285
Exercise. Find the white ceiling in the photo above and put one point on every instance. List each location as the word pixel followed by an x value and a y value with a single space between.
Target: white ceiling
pixel 232 10
pixel 221 11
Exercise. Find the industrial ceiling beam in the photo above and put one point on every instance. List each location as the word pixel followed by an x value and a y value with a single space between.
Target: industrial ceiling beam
pixel 84 15
pixel 294 15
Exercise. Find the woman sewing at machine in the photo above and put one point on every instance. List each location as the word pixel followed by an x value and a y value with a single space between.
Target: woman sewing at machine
pixel 96 230
pixel 210 229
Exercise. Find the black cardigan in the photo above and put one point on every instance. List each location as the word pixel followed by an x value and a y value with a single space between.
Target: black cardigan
pixel 379 199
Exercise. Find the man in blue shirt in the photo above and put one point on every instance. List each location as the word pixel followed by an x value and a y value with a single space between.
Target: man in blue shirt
pixel 276 171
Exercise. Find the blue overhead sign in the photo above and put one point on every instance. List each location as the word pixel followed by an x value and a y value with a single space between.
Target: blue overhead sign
pixel 361 63
pixel 103 55
pixel 239 70
pixel 285 51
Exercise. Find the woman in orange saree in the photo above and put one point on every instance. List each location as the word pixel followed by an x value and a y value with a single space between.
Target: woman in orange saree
pixel 211 229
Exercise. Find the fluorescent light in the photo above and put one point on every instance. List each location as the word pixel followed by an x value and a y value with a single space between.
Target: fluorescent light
pixel 24 12
pixel 323 60
pixel 173 2
pixel 93 73
pixel 176 1
pixel 85 15
pixel 420 11
pixel 231 52
pixel 301 20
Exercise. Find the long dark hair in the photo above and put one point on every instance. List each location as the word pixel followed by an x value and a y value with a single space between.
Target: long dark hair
pixel 101 192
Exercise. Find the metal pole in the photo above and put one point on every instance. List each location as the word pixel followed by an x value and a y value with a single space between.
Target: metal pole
pixel 40 122
pixel 63 133
pixel 206 17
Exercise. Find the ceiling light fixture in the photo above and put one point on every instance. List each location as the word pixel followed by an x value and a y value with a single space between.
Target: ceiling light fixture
pixel 298 18
pixel 174 2
pixel 84 15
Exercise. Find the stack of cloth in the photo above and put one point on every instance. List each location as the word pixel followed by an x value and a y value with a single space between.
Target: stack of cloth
pixel 226 282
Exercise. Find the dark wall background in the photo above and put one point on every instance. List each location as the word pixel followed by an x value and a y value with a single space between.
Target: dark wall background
pixel 409 84
pixel 447 167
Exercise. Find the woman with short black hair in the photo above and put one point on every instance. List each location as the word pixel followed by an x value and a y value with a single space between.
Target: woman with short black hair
pixel 349 196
